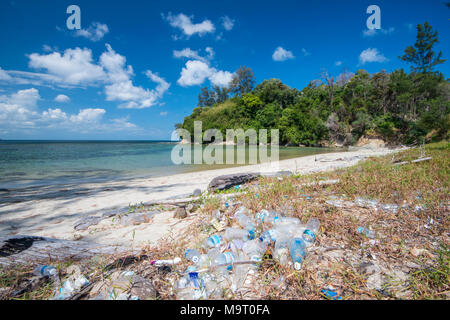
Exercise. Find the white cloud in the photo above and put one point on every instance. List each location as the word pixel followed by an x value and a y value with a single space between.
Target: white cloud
pixel 194 54
pixel 338 63
pixel 373 32
pixel 75 66
pixel 95 32
pixel 189 28
pixel 163 113
pixel 4 75
pixel 54 114
pixel 196 72
pixel 305 52
pixel 19 114
pixel 221 78
pixel 62 98
pixel 371 55
pixel 227 23
pixel 281 54
pixel 88 115
pixel 114 65
pixel 187 53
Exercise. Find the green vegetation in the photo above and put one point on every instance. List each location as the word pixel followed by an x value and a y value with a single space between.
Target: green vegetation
pixel 397 107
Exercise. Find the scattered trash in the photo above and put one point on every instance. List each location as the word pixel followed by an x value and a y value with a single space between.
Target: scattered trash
pixel 45 271
pixel 171 262
pixel 331 295
pixel 70 287
pixel 368 233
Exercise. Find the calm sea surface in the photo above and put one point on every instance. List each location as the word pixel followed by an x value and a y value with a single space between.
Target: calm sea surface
pixel 28 163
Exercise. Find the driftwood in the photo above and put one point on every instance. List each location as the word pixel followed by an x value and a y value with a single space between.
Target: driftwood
pixel 230 180
pixel 23 250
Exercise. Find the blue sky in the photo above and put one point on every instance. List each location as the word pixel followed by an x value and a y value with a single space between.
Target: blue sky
pixel 135 68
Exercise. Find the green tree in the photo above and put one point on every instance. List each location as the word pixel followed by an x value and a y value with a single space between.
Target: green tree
pixel 243 81
pixel 421 56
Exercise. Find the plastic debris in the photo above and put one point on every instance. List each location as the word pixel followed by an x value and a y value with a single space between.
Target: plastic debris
pixel 331 295
pixel 368 233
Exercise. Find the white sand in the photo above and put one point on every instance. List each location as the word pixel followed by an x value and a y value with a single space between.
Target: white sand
pixel 52 213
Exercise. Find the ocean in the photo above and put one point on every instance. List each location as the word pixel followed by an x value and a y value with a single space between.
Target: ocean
pixel 41 163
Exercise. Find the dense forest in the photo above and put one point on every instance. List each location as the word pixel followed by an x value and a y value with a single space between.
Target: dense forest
pixel 397 107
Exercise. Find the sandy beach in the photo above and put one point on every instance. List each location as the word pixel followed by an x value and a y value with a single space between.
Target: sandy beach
pixel 53 211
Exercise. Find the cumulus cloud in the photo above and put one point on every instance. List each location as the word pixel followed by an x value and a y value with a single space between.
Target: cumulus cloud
pixel 371 55
pixel 62 98
pixel 75 66
pixel 185 24
pixel 281 54
pixel 227 23
pixel 196 72
pixel 95 32
pixel 373 32
pixel 88 115
pixel 18 111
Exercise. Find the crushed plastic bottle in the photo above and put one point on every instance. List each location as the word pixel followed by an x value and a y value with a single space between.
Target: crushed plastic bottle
pixel 170 262
pixel 70 287
pixel 286 221
pixel 297 249
pixel 192 255
pixel 269 236
pixel 45 271
pixel 237 233
pixel 368 233
pixel 309 235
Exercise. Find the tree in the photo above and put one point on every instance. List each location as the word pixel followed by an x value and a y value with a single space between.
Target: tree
pixel 220 94
pixel 243 81
pixel 206 98
pixel 421 56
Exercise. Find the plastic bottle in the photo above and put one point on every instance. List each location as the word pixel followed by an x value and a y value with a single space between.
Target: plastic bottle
pixel 214 241
pixel 224 260
pixel 309 235
pixel 297 249
pixel 286 221
pixel 368 233
pixel 237 233
pixel 281 251
pixel 254 249
pixel 269 236
pixel 267 218
pixel 46 271
pixel 245 222
pixel 192 255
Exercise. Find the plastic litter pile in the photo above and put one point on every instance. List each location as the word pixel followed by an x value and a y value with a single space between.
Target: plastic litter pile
pixel 227 258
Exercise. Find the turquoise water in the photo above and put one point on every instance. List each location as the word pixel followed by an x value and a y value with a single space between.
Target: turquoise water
pixel 27 163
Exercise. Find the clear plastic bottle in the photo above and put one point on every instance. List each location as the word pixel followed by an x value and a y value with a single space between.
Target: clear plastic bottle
pixel 280 221
pixel 267 218
pixel 309 235
pixel 225 259
pixel 214 241
pixel 245 221
pixel 255 249
pixel 269 236
pixel 47 271
pixel 236 233
pixel 297 249
pixel 281 251
pixel 192 255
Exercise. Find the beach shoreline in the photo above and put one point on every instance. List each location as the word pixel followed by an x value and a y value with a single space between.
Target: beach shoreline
pixel 53 211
